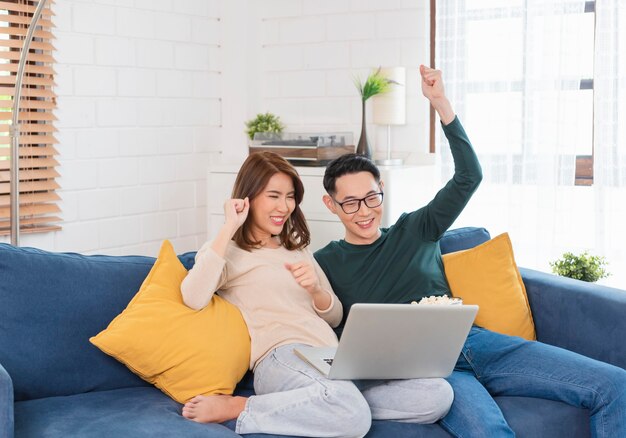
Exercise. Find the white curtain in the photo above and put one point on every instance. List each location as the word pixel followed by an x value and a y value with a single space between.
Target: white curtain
pixel 513 71
pixel 610 135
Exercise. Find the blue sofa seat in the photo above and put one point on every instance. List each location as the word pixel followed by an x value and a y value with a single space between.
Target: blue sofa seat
pixel 125 412
pixel 54 383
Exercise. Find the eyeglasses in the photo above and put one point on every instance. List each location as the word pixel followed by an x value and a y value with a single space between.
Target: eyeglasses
pixel 353 205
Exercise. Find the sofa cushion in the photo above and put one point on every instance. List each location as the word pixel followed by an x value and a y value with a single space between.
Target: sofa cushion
pixel 129 412
pixel 529 417
pixel 533 417
pixel 182 351
pixel 488 276
pixel 50 305
pixel 463 238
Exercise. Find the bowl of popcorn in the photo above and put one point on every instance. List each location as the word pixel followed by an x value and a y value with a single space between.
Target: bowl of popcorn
pixel 440 299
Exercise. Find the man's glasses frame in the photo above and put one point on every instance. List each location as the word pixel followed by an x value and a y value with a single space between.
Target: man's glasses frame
pixel 372 200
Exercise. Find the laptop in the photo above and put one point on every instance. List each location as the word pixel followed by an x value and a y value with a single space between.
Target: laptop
pixel 395 341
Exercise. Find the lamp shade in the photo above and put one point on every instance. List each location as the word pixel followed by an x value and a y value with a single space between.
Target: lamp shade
pixel 390 108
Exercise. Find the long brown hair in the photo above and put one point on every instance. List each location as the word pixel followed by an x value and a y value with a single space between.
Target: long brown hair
pixel 252 178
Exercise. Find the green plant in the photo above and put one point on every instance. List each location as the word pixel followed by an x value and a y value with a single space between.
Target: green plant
pixel 267 122
pixel 583 267
pixel 375 84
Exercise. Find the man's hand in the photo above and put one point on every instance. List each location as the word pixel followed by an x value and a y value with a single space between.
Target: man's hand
pixel 432 87
pixel 432 83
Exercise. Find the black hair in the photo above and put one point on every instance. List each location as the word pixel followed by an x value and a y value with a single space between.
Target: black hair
pixel 346 164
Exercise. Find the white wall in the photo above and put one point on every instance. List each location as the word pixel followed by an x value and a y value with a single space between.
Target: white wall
pixel 150 92
pixel 138 87
pixel 310 51
pixel 153 91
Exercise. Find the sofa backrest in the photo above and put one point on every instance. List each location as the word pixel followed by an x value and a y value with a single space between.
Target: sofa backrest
pixel 50 305
pixel 463 238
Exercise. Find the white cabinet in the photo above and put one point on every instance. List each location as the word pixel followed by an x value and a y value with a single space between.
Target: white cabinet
pixel 406 188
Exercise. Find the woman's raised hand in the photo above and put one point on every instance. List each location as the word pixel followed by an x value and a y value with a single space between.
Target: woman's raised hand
pixel 236 212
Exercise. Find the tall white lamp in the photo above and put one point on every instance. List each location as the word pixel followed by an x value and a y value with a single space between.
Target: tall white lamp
pixel 390 108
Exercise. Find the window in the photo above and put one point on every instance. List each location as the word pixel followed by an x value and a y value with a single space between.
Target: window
pixel 512 96
pixel 38 199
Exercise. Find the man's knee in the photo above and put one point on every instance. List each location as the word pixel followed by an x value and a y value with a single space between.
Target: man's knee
pixel 613 385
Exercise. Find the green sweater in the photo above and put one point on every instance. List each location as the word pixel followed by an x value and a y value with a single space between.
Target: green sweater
pixel 404 264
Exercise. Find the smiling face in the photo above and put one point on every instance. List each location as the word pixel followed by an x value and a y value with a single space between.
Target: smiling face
pixel 271 208
pixel 362 227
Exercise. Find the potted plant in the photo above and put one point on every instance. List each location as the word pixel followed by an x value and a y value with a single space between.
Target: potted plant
pixel 375 84
pixel 583 267
pixel 267 122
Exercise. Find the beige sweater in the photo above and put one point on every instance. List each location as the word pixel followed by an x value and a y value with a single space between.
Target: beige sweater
pixel 277 310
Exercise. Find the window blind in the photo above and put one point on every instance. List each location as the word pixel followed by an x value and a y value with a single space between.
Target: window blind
pixel 38 200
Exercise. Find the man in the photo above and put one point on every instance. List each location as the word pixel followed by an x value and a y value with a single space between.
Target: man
pixel 403 264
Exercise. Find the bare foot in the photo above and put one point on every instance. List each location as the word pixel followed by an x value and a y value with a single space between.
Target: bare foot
pixel 214 408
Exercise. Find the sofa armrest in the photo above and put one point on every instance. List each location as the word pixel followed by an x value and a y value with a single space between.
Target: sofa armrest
pixel 6 404
pixel 583 317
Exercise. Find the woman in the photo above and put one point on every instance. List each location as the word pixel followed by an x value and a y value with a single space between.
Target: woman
pixel 260 263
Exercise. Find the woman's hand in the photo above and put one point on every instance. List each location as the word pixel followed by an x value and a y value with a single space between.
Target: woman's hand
pixel 305 276
pixel 236 212
pixel 432 87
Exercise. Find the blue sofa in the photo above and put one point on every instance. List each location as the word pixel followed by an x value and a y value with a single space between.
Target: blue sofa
pixel 54 383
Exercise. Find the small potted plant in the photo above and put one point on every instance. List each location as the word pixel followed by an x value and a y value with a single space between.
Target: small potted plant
pixel 583 267
pixel 267 122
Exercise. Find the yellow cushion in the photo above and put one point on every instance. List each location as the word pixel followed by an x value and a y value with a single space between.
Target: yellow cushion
pixel 182 351
pixel 488 276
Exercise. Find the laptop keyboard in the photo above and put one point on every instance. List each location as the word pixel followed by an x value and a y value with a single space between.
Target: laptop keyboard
pixel 328 361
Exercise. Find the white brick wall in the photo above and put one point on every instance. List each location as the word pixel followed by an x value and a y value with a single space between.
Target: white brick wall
pixel 138 119
pixel 115 51
pixel 310 51
pixel 152 91
pixel 136 82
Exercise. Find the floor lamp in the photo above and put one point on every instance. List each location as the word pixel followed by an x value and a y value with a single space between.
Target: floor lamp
pixel 390 108
pixel 14 129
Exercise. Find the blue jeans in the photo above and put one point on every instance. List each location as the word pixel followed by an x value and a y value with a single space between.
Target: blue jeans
pixel 293 398
pixel 492 364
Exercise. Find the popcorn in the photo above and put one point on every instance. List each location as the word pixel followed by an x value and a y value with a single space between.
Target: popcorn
pixel 443 299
